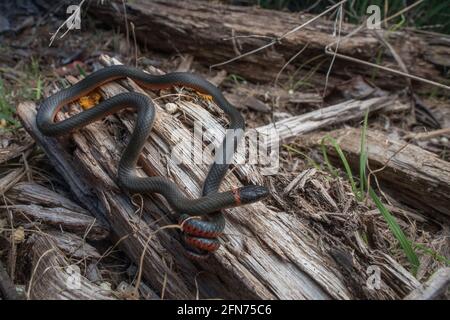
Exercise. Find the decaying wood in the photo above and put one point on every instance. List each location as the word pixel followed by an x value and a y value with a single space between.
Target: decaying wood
pixel 13 146
pixel 64 219
pixel 33 202
pixel 435 288
pixel 62 163
pixel 410 174
pixel 7 287
pixel 264 253
pixel 52 272
pixel 10 179
pixel 258 98
pixel 215 32
pixel 235 265
pixel 33 193
pixel 74 246
pixel 352 110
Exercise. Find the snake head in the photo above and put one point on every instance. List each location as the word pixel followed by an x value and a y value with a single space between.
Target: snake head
pixel 253 193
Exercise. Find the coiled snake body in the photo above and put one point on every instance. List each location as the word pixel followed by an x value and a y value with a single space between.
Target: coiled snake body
pixel 200 235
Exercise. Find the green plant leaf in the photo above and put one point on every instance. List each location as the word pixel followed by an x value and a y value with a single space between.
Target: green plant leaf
pixel 344 161
pixel 397 232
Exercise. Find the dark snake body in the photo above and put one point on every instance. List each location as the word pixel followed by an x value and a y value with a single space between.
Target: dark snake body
pixel 200 235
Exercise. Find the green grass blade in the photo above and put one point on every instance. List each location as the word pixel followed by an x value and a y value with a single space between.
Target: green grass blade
pixel 363 156
pixel 397 231
pixel 344 161
pixel 310 160
pixel 432 253
pixel 325 157
pixel 38 88
pixel 81 70
pixel 405 244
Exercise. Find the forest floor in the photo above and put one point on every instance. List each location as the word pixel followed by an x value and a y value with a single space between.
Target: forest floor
pixel 326 203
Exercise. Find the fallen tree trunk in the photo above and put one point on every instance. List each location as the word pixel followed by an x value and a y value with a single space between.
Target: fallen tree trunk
pixel 235 265
pixel 64 219
pixel 258 98
pixel 410 174
pixel 214 33
pixel 13 146
pixel 264 254
pixel 7 287
pixel 48 207
pixel 435 288
pixel 54 278
pixel 352 110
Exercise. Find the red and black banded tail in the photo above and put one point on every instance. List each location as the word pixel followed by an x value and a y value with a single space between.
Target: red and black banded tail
pixel 200 236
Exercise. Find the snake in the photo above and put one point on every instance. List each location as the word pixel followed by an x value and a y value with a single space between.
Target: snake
pixel 201 219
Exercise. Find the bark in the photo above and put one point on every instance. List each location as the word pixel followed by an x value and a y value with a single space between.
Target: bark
pixel 74 246
pixel 214 32
pixel 264 254
pixel 260 98
pixel 51 275
pixel 7 287
pixel 13 146
pixel 64 219
pixel 351 110
pixel 435 288
pixel 10 179
pixel 63 164
pixel 410 174
pixel 33 202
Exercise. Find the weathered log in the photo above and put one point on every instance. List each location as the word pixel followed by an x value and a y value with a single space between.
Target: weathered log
pixel 258 98
pixel 435 288
pixel 62 163
pixel 10 179
pixel 33 202
pixel 352 110
pixel 215 32
pixel 13 145
pixel 264 254
pixel 410 174
pixel 7 288
pixel 83 225
pixel 73 246
pixel 33 193
pixel 54 278
pixel 155 267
